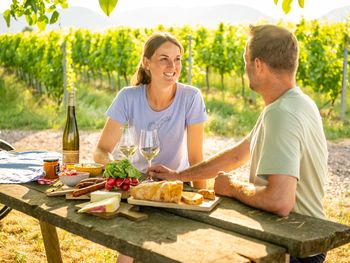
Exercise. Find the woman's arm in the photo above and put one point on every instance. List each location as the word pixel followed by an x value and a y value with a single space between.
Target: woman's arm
pixel 109 138
pixel 195 136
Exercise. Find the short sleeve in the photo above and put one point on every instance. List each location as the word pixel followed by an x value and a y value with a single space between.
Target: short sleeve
pixel 281 148
pixel 118 111
pixel 196 112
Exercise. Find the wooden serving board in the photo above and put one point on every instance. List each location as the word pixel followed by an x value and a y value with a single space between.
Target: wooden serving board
pixel 206 206
pixel 126 210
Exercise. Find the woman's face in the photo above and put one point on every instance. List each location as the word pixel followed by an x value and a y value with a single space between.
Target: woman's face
pixel 165 64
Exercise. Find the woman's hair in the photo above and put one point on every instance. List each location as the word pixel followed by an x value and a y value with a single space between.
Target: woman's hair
pixel 276 46
pixel 142 76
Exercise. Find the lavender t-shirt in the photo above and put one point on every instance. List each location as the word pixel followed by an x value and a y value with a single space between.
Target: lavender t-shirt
pixel 131 106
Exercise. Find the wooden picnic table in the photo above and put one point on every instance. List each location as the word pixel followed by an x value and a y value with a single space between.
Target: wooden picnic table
pixel 231 233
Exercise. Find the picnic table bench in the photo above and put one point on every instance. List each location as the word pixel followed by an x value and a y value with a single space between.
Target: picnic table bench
pixel 233 232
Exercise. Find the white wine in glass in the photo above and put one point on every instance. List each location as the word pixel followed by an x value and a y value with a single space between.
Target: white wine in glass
pixel 127 144
pixel 149 145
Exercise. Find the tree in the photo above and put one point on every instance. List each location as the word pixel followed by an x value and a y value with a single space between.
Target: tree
pixel 37 12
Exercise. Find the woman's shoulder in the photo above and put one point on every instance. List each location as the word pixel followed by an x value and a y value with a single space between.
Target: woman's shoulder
pixel 131 90
pixel 188 89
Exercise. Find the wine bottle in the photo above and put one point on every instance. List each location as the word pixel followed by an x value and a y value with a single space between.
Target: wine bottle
pixel 70 141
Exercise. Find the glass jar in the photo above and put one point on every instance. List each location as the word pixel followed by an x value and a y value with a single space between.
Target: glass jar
pixel 51 168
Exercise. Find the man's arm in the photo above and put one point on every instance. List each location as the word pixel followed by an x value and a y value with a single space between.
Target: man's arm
pixel 277 197
pixel 195 134
pixel 226 160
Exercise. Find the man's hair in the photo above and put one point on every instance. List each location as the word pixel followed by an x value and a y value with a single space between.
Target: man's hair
pixel 275 46
pixel 141 75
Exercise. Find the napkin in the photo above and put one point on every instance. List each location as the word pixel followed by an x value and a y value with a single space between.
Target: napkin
pixel 23 167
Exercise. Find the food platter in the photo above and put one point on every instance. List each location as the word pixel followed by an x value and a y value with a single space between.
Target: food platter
pixel 206 206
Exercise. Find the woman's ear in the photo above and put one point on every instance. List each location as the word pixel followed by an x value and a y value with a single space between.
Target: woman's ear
pixel 145 63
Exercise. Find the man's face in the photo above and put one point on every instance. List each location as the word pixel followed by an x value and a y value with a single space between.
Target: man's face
pixel 249 68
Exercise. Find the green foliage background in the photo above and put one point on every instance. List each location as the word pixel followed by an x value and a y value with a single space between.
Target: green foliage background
pixel 101 63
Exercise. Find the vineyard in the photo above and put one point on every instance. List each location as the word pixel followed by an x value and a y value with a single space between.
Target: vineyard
pixel 113 54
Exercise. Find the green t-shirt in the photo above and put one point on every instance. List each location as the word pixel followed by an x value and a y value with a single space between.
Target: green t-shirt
pixel 288 139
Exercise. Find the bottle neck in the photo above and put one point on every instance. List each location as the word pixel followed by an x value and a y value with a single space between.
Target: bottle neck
pixel 71 99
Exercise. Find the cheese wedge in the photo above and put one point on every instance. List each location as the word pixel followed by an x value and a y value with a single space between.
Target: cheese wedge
pixel 104 206
pixel 191 198
pixel 100 195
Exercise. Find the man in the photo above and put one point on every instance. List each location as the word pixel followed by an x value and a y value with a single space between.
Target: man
pixel 287 146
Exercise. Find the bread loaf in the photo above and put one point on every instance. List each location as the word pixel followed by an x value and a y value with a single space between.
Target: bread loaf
pixel 192 198
pixel 207 194
pixel 163 191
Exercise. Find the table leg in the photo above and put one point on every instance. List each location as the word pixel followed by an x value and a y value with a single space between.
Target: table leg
pixel 51 242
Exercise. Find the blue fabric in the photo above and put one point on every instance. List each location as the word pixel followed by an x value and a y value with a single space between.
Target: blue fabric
pixel 23 167
pixel 131 106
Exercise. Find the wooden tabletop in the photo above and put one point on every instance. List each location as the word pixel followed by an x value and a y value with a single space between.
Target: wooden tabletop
pixel 301 235
pixel 163 237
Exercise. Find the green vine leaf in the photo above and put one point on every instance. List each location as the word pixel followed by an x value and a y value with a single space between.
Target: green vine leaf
pixel 301 3
pixel 286 6
pixel 7 17
pixel 108 6
pixel 54 17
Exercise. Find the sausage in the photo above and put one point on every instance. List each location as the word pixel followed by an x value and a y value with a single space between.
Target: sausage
pixel 84 184
pixel 95 180
pixel 88 189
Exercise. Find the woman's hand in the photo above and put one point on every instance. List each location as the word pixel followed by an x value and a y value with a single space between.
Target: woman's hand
pixel 162 172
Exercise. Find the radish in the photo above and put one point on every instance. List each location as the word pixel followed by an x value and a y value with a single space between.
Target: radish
pixel 119 181
pixel 134 181
pixel 125 187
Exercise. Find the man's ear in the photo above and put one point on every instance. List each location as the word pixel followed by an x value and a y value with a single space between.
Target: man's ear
pixel 259 65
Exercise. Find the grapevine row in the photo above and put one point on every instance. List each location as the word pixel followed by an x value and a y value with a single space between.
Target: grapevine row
pixel 37 57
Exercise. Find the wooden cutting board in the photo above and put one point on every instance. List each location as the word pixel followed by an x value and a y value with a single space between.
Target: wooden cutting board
pixel 125 210
pixel 206 206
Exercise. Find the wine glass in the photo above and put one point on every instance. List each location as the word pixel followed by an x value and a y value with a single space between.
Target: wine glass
pixel 127 144
pixel 149 145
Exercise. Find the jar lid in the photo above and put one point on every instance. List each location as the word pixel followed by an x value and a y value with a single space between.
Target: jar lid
pixel 51 160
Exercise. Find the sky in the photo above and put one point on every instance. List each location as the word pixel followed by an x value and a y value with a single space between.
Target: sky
pixel 312 9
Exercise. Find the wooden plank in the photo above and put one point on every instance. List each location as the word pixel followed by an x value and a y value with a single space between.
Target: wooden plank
pixel 301 235
pixel 51 242
pixel 206 206
pixel 158 239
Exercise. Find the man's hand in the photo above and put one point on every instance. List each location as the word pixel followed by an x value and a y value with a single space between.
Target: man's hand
pixel 162 172
pixel 222 184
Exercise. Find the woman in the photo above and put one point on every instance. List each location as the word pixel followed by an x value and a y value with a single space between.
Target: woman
pixel 158 101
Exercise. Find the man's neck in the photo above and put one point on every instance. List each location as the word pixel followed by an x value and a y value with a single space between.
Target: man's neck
pixel 276 87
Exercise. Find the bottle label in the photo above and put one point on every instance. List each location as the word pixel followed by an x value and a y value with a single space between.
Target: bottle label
pixel 71 99
pixel 70 157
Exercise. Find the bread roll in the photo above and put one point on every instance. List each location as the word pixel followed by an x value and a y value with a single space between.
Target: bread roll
pixel 207 194
pixel 163 191
pixel 192 198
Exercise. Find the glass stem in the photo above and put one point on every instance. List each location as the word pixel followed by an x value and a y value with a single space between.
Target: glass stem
pixel 149 163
